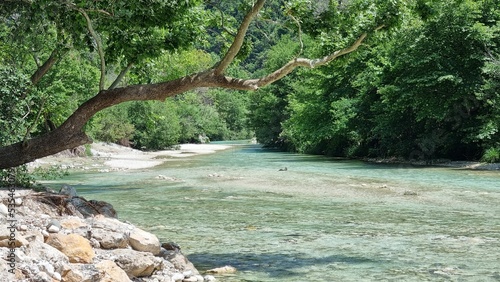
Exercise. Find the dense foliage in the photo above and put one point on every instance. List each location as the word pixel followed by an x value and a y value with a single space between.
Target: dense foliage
pixel 426 89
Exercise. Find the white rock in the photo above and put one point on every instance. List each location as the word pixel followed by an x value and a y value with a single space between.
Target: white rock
pixel 187 274
pixel 190 279
pixel 45 233
pixel 3 209
pixel 46 267
pixel 53 229
pixel 18 201
pixel 178 277
pixel 209 278
pixel 22 227
pixel 57 276
pixel 199 278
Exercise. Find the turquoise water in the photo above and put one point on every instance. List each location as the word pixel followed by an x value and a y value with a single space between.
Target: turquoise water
pixel 321 220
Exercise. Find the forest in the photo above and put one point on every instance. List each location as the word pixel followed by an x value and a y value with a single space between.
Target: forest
pixel 424 84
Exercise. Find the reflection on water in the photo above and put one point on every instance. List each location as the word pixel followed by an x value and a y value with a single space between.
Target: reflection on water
pixel 321 220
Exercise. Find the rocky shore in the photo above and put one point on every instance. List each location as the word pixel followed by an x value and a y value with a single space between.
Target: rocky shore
pixel 48 236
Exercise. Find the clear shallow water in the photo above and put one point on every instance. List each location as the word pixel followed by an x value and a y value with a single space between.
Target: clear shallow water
pixel 321 220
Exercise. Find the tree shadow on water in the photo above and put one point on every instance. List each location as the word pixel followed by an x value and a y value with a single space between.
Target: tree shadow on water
pixel 274 265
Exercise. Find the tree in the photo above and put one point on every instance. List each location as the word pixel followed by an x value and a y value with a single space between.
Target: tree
pixel 125 33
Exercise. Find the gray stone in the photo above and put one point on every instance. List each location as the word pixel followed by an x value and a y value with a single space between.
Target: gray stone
pixel 179 261
pixel 136 264
pixel 67 190
pixel 109 239
pixel 37 251
pixel 82 273
pixel 92 208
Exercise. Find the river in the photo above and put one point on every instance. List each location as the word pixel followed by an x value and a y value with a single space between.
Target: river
pixel 320 220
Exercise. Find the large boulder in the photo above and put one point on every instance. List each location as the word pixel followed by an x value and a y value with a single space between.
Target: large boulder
pixel 75 247
pixel 37 251
pixel 112 272
pixel 143 241
pixel 111 224
pixel 109 239
pixel 92 207
pixel 136 264
pixel 178 260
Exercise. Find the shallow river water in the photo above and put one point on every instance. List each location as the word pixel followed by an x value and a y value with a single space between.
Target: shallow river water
pixel 321 220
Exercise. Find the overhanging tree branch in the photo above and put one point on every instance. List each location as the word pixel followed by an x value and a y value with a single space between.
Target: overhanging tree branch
pixel 302 62
pixel 71 133
pixel 239 38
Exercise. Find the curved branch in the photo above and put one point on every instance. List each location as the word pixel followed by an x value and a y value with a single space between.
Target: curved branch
pixel 240 37
pixel 303 62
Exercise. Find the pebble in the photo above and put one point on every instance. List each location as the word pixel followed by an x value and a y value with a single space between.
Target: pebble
pixel 18 201
pixel 22 227
pixel 53 229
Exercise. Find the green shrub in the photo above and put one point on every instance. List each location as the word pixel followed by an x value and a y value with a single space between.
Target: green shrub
pixel 491 155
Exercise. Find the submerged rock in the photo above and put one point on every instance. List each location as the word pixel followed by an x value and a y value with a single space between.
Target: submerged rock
pixel 222 270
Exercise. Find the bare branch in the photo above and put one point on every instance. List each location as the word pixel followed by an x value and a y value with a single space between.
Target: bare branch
pixel 240 37
pixel 99 48
pixel 303 62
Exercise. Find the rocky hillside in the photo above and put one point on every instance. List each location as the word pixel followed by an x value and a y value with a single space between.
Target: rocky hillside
pixel 51 237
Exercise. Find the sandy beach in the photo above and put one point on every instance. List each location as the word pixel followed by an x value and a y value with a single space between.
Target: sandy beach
pixel 109 156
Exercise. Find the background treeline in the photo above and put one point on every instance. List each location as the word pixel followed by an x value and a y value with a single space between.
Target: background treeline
pixel 425 86
pixel 428 88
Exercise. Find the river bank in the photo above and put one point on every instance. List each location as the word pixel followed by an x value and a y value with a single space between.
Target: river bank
pixel 58 236
pixel 51 237
pixel 105 157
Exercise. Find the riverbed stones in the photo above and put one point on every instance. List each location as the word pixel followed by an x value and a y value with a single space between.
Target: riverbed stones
pixel 75 247
pixel 143 241
pixel 78 251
